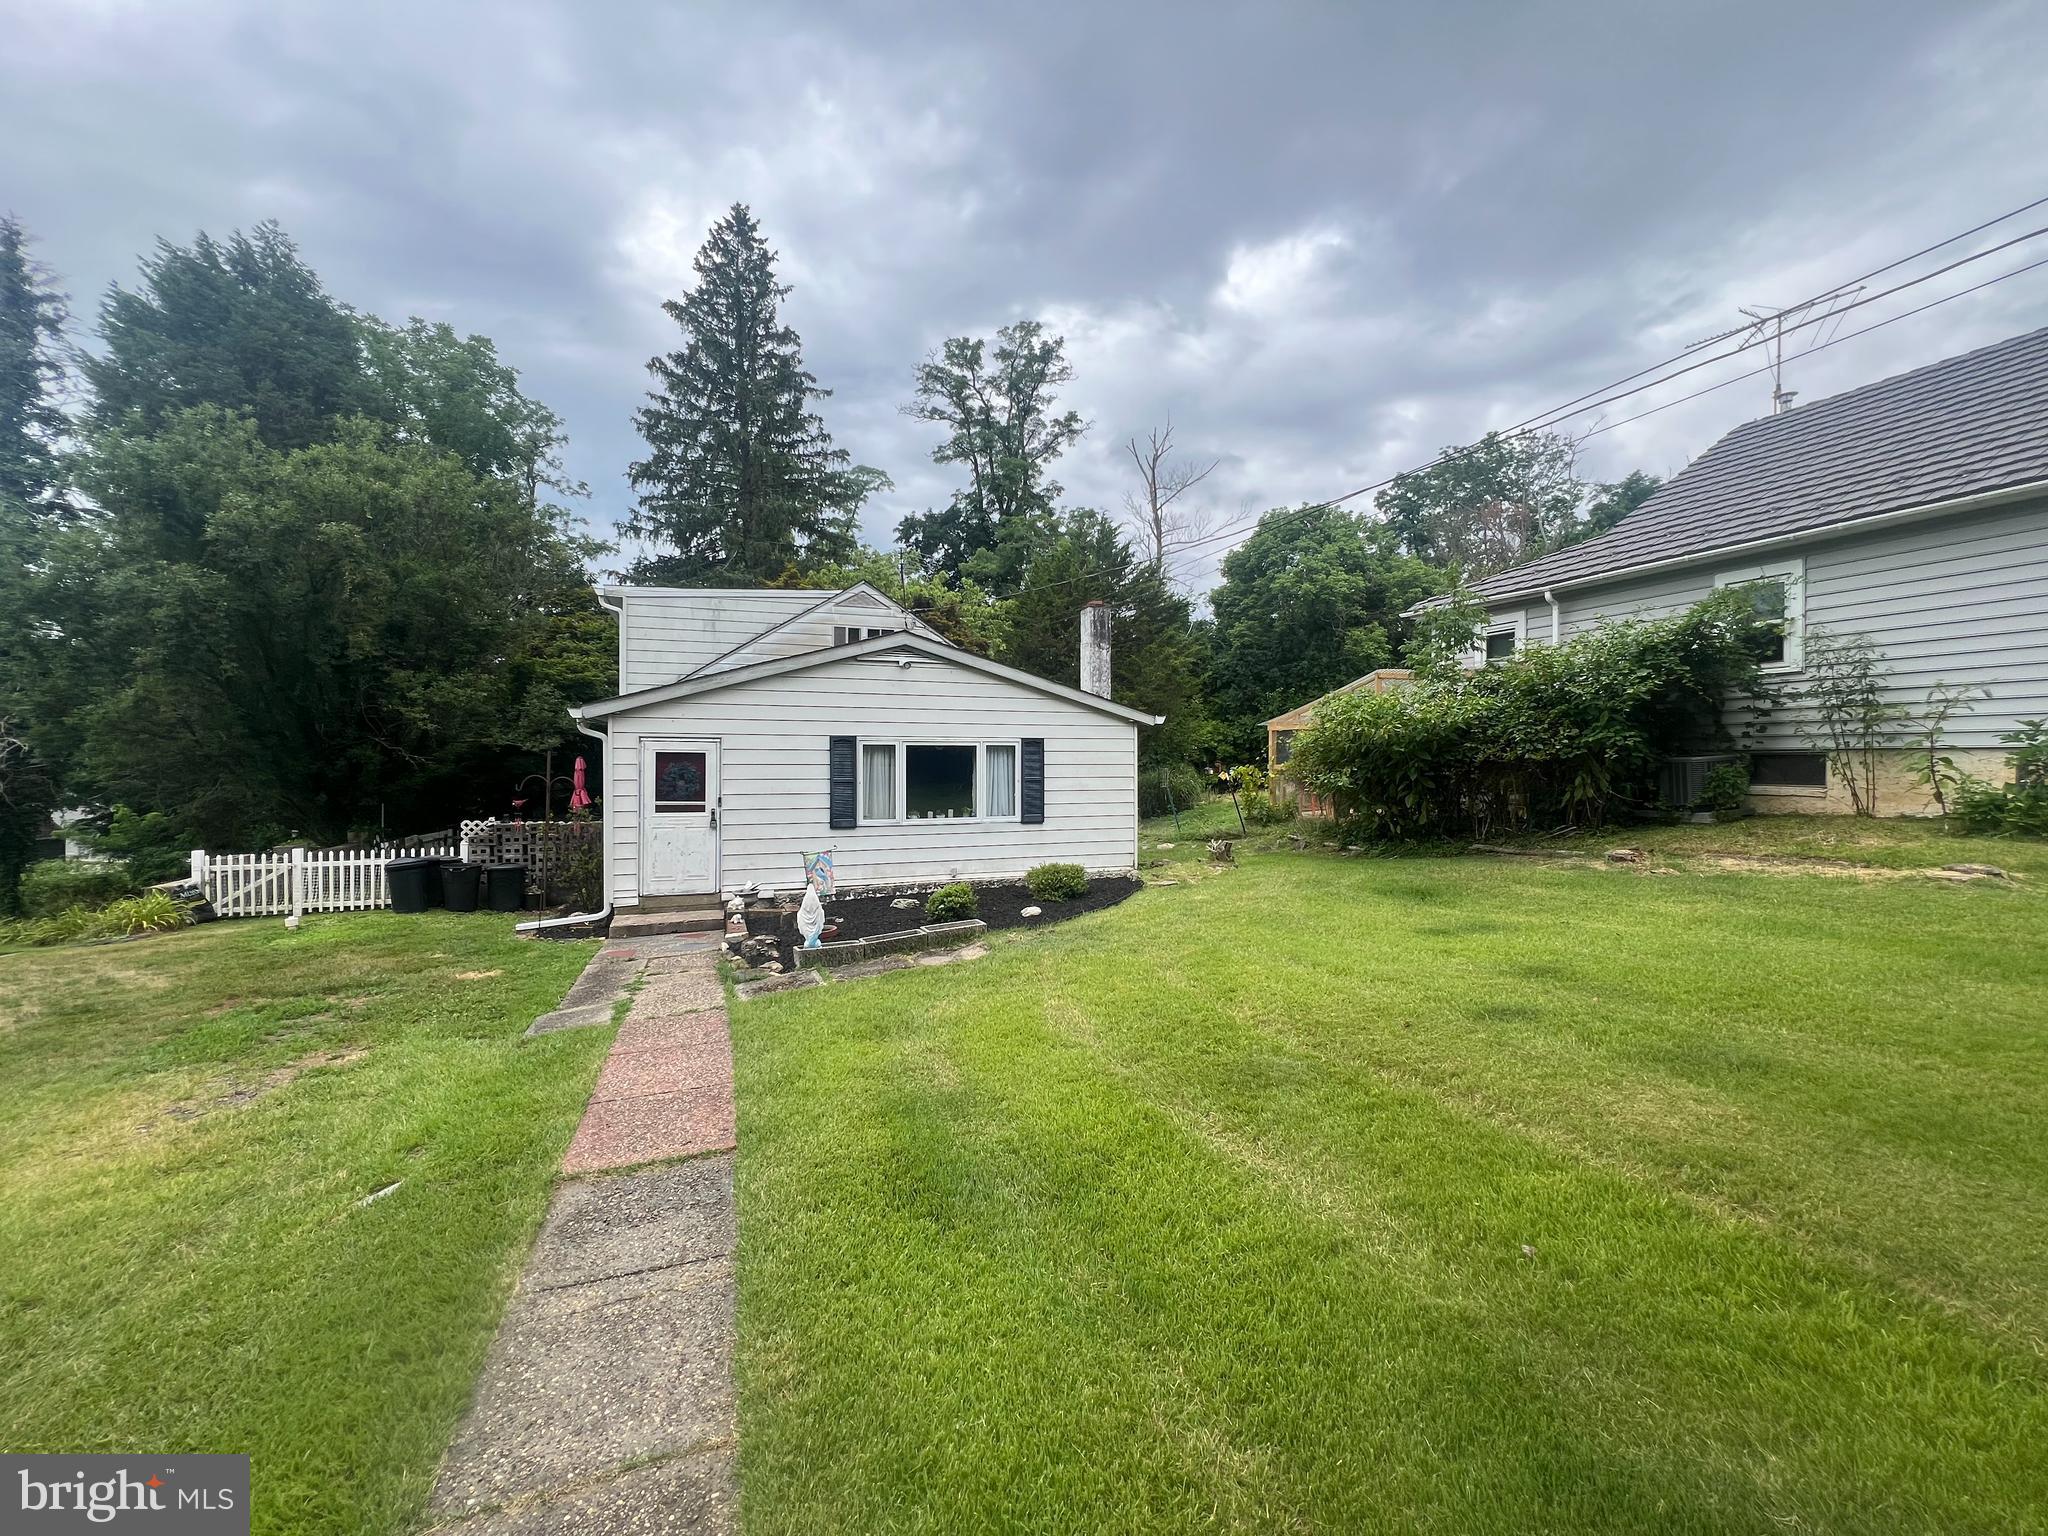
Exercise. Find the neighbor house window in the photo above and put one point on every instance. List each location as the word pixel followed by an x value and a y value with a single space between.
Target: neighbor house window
pixel 846 634
pixel 1777 591
pixel 1497 640
pixel 1788 770
pixel 938 781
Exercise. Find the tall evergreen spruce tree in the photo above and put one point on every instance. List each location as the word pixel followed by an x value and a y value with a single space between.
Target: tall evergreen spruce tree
pixel 31 372
pixel 31 506
pixel 741 479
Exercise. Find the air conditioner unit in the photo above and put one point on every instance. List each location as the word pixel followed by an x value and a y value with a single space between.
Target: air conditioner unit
pixel 1682 780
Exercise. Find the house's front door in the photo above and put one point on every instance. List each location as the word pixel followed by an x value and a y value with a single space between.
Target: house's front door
pixel 679 816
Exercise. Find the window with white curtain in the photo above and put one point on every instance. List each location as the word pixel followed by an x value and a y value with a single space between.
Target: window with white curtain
pixel 878 781
pixel 999 798
pixel 938 781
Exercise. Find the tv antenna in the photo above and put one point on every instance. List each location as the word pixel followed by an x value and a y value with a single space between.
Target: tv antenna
pixel 1767 325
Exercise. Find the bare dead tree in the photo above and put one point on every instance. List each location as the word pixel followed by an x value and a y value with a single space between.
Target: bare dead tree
pixel 1163 479
pixel 13 759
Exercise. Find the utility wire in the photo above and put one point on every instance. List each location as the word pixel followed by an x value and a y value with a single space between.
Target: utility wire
pixel 1544 420
pixel 1876 325
pixel 1579 405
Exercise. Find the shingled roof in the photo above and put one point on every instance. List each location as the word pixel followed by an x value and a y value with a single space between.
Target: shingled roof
pixel 1962 427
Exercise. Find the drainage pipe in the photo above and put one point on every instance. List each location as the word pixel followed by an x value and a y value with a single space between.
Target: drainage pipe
pixel 1549 598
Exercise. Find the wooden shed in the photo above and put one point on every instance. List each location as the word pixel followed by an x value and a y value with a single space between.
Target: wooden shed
pixel 1281 728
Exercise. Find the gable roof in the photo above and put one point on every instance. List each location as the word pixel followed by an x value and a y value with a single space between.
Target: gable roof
pixel 874 598
pixel 880 645
pixel 1377 680
pixel 1961 428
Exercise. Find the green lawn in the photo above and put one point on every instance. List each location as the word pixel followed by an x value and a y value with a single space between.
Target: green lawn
pixel 187 1127
pixel 1419 1195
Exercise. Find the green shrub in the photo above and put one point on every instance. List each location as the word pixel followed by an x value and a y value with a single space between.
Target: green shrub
pixel 150 912
pixel 154 847
pixel 1726 791
pixel 2018 809
pixel 1560 735
pixel 1058 882
pixel 952 903
pixel 55 884
pixel 1167 787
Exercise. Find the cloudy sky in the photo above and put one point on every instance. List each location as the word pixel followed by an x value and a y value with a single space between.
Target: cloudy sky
pixel 1325 239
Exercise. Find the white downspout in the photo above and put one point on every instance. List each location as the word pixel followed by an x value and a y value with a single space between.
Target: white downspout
pixel 604 816
pixel 1555 627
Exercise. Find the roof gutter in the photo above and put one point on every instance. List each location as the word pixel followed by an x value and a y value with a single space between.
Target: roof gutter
pixel 1956 504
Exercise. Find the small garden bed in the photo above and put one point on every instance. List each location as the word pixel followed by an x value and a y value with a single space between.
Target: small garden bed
pixel 1002 906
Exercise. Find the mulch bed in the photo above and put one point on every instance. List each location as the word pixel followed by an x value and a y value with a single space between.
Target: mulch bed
pixel 862 917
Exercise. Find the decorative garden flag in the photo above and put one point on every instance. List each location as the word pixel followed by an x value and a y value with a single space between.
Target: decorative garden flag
pixel 818 872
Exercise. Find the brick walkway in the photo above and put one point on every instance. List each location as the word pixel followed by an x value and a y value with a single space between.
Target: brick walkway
pixel 606 1403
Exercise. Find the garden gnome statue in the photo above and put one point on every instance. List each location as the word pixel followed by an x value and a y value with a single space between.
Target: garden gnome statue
pixel 810 917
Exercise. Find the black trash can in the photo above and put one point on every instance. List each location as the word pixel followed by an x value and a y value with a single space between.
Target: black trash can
pixel 459 883
pixel 408 880
pixel 506 884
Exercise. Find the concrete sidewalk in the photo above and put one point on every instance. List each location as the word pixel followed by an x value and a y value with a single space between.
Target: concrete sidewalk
pixel 606 1403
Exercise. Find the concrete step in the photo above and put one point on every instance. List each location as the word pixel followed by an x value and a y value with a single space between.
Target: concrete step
pixel 632 924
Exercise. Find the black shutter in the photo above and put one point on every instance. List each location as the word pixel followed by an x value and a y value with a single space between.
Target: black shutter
pixel 844 799
pixel 1031 794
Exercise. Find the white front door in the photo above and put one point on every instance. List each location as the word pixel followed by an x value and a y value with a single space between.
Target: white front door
pixel 678 816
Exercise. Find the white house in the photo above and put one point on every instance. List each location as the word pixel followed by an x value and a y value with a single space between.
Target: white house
pixel 756 726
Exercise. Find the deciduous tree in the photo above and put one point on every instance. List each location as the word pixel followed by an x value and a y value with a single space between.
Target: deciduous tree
pixel 1310 601
pixel 998 407
pixel 1155 662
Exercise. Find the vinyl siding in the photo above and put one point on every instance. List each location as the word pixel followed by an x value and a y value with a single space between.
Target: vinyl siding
pixel 665 635
pixel 773 737
pixel 1958 599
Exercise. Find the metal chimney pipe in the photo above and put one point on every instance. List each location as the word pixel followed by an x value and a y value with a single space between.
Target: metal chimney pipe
pixel 1095 649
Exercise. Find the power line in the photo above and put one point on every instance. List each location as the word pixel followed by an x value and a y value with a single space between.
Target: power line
pixel 1581 404
pixel 1544 420
pixel 1875 325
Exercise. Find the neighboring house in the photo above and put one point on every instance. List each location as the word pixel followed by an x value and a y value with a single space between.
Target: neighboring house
pixel 1913 511
pixel 1280 737
pixel 756 726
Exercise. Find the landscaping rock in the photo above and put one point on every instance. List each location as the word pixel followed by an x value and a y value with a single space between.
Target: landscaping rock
pixel 1989 871
pixel 759 949
pixel 788 983
pixel 905 903
pixel 1627 856
pixel 1030 911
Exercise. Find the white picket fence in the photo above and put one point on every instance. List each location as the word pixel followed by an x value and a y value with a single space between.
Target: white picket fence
pixel 303 879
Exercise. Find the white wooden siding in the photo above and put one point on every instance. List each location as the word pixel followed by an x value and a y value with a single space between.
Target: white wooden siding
pixel 813 632
pixel 1956 599
pixel 774 736
pixel 665 634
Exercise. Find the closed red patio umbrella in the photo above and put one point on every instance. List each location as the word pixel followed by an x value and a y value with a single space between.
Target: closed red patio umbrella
pixel 579 797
